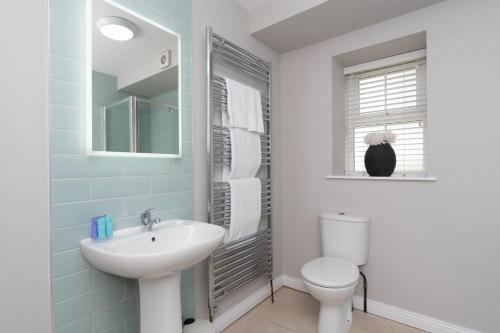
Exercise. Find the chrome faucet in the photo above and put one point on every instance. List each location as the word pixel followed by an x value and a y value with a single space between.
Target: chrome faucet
pixel 147 220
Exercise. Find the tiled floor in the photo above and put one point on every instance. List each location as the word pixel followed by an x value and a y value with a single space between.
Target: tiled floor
pixel 294 311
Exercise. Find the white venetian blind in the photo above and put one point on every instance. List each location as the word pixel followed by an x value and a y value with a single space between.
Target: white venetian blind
pixel 391 98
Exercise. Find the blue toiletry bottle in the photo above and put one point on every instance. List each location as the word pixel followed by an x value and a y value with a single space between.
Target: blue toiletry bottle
pixel 101 227
pixel 93 229
pixel 109 226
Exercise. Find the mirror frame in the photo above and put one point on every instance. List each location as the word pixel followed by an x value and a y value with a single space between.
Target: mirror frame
pixel 88 82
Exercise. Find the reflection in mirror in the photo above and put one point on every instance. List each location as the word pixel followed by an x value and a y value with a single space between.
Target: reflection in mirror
pixel 135 84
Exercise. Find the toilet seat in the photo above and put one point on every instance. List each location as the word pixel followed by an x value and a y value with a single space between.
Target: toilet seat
pixel 330 272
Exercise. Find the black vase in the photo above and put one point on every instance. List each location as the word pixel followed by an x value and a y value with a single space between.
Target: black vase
pixel 380 160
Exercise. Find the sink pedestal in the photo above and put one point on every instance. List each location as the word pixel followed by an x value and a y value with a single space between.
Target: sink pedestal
pixel 156 258
pixel 160 301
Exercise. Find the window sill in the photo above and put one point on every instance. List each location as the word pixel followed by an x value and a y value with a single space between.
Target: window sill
pixel 396 178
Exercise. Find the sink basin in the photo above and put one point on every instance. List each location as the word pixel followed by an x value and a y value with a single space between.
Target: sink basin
pixel 156 258
pixel 170 247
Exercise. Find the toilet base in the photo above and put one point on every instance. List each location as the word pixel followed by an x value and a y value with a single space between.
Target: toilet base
pixel 335 318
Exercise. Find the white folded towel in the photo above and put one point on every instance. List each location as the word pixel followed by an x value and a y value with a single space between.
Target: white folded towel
pixel 245 208
pixel 244 107
pixel 245 153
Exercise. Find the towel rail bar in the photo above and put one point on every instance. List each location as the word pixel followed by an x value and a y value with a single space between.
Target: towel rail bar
pixel 244 53
pixel 242 256
pixel 237 244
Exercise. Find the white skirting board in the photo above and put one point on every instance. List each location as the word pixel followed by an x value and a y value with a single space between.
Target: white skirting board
pixel 230 316
pixel 402 316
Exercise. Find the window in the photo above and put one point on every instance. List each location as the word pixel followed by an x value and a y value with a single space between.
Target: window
pixel 387 99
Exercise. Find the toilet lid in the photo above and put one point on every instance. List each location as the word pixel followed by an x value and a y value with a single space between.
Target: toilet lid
pixel 330 272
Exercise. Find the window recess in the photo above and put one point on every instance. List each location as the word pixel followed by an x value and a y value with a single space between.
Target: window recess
pixel 391 98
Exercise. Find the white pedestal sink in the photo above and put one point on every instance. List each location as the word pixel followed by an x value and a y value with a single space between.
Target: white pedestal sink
pixel 156 258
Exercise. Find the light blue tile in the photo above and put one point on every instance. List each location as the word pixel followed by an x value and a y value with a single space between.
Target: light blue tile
pixel 76 6
pixel 187 68
pixel 66 45
pixel 67 142
pixel 71 285
pixel 68 214
pixel 65 118
pixel 163 184
pixel 183 214
pixel 131 287
pixel 147 11
pixel 120 187
pixel 186 116
pixel 118 328
pixel 126 222
pixel 114 314
pixel 66 69
pixel 187 149
pixel 160 5
pixel 64 239
pixel 187 134
pixel 132 325
pixel 147 166
pixel 100 278
pixel 186 50
pixel 186 101
pixel 183 166
pixel 186 82
pixel 84 304
pixel 183 199
pixel 66 20
pixel 69 190
pixel 68 263
pixel 137 205
pixel 82 325
pixel 179 26
pixel 84 167
pixel 64 93
pixel 70 219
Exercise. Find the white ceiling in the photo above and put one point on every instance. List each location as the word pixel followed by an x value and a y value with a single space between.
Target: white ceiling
pixel 251 5
pixel 325 20
pixel 133 57
pixel 155 84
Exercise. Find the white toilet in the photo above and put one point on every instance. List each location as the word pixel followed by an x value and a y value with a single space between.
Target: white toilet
pixel 332 278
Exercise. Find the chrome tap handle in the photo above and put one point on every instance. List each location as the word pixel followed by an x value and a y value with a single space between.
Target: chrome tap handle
pixel 146 216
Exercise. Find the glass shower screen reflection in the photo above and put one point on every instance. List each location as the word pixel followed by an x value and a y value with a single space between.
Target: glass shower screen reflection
pixel 157 130
pixel 117 126
pixel 140 125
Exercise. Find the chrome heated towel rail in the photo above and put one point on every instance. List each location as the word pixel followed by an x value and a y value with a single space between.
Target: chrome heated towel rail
pixel 237 263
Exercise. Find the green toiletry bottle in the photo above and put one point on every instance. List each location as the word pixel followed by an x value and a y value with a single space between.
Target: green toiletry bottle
pixel 109 226
pixel 101 227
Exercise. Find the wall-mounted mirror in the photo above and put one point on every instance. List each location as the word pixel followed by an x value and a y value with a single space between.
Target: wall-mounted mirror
pixel 133 75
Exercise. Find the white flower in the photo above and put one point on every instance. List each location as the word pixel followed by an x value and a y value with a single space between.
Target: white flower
pixel 378 138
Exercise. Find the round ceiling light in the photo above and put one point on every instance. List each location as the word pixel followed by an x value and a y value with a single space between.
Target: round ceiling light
pixel 116 28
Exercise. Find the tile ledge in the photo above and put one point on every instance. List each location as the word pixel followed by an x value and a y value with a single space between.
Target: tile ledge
pixel 396 178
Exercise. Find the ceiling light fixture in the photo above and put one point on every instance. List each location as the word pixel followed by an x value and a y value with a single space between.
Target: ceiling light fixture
pixel 116 28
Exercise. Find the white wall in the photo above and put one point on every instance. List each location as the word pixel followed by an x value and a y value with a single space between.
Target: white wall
pixel 435 246
pixel 231 21
pixel 24 169
pixel 278 10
